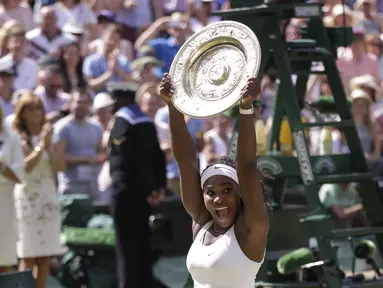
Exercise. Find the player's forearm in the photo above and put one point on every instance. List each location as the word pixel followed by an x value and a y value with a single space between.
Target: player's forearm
pixel 183 145
pixel 247 140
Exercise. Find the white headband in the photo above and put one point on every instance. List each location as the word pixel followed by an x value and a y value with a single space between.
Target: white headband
pixel 219 169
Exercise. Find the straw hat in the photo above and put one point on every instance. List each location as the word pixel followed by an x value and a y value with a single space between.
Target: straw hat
pixel 360 94
pixel 139 63
pixel 366 81
pixel 72 28
pixel 146 50
pixel 339 10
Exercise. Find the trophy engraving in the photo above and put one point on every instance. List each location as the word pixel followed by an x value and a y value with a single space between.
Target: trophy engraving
pixel 211 68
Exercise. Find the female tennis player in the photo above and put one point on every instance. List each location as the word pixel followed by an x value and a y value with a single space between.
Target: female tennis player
pixel 230 219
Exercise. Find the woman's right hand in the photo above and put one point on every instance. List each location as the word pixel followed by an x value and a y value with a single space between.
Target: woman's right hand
pixel 166 88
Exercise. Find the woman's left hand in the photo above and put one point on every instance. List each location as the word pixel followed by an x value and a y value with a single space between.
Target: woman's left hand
pixel 250 93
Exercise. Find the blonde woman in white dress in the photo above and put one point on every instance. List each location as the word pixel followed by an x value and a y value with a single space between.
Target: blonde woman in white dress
pixel 11 172
pixel 36 198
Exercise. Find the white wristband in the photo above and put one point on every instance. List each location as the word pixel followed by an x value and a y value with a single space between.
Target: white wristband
pixel 246 111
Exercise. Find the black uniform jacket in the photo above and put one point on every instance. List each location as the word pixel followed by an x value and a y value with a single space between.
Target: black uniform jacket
pixel 137 164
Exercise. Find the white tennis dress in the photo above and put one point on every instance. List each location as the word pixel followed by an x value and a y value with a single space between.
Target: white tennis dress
pixel 38 212
pixel 221 264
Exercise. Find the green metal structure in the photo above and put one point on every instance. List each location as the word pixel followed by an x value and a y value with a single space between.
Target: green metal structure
pixel 296 57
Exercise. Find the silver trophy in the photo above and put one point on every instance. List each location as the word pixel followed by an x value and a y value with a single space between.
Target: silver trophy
pixel 212 67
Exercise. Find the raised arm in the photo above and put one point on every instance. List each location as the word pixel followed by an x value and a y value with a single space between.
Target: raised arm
pixel 152 32
pixel 254 216
pixel 185 153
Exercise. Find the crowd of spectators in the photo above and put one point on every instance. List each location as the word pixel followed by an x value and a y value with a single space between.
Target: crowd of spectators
pixel 57 59
pixel 67 52
pixel 62 54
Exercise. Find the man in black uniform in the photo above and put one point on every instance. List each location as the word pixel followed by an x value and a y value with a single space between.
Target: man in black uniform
pixel 138 172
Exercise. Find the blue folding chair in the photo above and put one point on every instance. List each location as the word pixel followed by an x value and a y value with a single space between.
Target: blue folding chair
pixel 17 280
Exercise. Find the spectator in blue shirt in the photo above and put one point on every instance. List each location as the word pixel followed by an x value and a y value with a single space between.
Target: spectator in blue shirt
pixel 166 49
pixel 99 69
pixel 222 4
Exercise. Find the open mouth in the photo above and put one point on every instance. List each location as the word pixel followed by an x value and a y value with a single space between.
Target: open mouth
pixel 223 212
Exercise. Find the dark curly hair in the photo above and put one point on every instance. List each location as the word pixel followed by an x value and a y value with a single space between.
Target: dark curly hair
pixel 267 182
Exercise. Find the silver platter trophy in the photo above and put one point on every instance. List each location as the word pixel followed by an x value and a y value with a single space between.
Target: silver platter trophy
pixel 212 67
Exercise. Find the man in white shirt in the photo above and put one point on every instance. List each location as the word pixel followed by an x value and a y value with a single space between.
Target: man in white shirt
pixel 47 38
pixel 50 91
pixel 25 67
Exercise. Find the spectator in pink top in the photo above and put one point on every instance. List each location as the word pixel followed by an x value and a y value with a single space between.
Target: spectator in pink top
pixel 358 62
